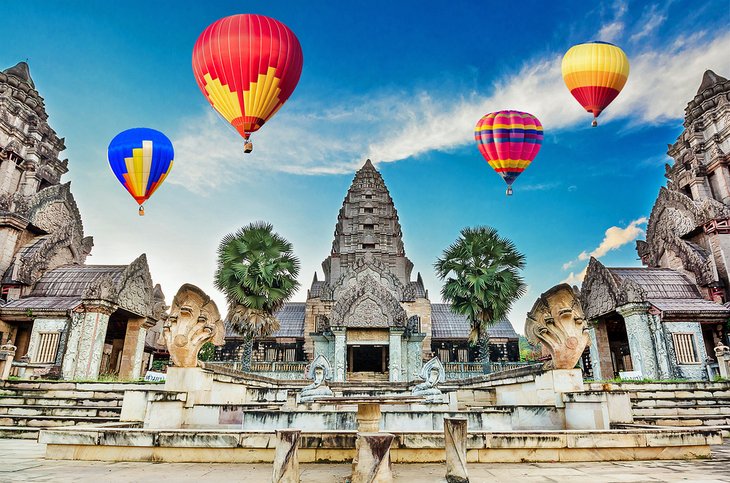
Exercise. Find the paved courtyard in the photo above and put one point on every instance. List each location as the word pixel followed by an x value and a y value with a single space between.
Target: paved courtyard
pixel 23 461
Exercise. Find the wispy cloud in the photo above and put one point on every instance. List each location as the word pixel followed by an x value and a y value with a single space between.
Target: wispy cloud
pixel 614 238
pixel 392 126
pixel 612 30
pixel 649 22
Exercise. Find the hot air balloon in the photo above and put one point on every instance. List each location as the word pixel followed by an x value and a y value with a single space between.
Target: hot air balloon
pixel 141 159
pixel 509 141
pixel 595 73
pixel 247 66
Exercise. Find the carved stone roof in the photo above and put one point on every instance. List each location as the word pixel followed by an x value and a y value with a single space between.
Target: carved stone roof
pixel 605 289
pixel 709 79
pixel 447 324
pixel 20 71
pixel 43 304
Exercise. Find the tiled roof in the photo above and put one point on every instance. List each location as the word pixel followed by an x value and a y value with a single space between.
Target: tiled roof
pixel 659 283
pixel 291 320
pixel 72 280
pixel 447 324
pixel 699 306
pixel 43 303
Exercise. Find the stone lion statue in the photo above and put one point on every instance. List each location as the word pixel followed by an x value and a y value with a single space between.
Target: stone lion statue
pixel 194 320
pixel 557 322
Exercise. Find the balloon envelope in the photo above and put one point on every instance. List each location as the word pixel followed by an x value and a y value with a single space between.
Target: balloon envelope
pixel 595 73
pixel 141 159
pixel 247 66
pixel 509 141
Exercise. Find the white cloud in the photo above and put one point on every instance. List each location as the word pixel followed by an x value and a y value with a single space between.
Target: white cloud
pixel 392 126
pixel 611 31
pixel 614 238
pixel 649 22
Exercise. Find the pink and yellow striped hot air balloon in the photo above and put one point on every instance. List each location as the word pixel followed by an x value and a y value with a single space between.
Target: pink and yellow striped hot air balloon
pixel 509 141
pixel 595 73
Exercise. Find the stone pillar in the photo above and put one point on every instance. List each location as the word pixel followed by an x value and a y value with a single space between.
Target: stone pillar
pixel 11 226
pixel 7 354
pixel 86 341
pixel 368 417
pixel 9 175
pixel 455 435
pixel 286 457
pixel 340 334
pixel 372 458
pixel 415 356
pixel 133 350
pixel 396 335
pixel 641 342
pixel 600 351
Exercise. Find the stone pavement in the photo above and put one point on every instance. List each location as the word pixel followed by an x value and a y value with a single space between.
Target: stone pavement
pixel 22 460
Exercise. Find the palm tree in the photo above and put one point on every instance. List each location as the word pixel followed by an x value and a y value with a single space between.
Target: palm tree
pixel 482 281
pixel 257 272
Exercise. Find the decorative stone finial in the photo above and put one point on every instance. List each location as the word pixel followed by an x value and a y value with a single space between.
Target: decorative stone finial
pixel 194 320
pixel 432 373
pixel 557 321
pixel 320 371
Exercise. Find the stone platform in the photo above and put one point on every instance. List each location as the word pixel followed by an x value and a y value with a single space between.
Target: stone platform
pixel 227 446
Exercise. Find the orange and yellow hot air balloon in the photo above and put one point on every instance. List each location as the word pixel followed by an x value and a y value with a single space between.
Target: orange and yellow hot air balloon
pixel 247 66
pixel 595 73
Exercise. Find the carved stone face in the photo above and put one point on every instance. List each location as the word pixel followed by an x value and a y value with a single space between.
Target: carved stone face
pixel 433 376
pixel 318 375
pixel 194 320
pixel 557 321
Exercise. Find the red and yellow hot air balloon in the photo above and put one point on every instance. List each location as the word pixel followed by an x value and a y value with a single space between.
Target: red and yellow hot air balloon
pixel 595 73
pixel 509 141
pixel 247 66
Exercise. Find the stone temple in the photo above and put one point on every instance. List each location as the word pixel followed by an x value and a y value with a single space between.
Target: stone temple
pixel 368 316
pixel 67 318
pixel 664 320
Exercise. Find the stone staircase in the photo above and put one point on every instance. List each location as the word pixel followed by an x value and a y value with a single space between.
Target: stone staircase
pixel 26 406
pixel 679 404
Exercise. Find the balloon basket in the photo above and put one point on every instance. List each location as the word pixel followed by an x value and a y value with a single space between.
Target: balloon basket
pixel 594 123
pixel 141 211
pixel 248 147
pixel 509 191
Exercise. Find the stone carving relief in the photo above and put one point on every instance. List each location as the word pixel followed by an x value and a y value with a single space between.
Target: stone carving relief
pixel 320 371
pixel 194 319
pixel 103 288
pixel 158 303
pixel 557 322
pixel 365 267
pixel 674 214
pixel 135 288
pixel 432 374
pixel 368 304
pixel 600 292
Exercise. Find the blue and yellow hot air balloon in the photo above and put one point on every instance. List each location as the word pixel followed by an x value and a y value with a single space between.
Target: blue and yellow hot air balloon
pixel 141 159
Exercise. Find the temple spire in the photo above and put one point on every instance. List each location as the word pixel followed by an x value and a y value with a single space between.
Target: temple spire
pixel 22 72
pixel 709 79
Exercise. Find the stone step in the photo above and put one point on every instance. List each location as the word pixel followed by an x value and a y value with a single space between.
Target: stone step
pixel 52 421
pixel 678 402
pixel 18 432
pixel 698 411
pixel 685 420
pixel 680 394
pixel 54 401
pixel 72 411
pixel 63 394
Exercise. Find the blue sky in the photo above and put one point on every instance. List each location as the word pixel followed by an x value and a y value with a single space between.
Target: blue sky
pixel 402 83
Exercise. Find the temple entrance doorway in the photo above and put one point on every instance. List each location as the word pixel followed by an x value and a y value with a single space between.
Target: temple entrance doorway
pixel 367 358
pixel 618 341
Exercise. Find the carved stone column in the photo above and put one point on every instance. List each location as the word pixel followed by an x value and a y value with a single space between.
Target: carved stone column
pixel 455 441
pixel 372 458
pixel 394 369
pixel 340 352
pixel 86 340
pixel 7 354
pixel 133 350
pixel 641 343
pixel 286 457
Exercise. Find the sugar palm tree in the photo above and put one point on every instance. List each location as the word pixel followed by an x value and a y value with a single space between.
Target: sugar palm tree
pixel 257 272
pixel 481 274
